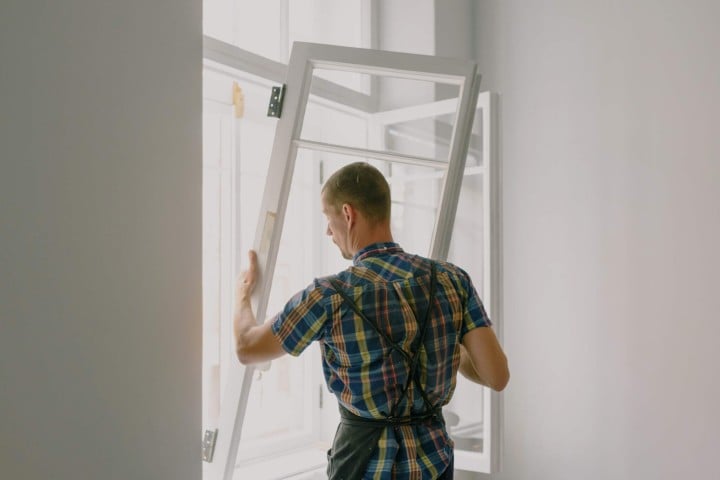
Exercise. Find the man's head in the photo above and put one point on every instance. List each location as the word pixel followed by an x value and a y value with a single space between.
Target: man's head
pixel 356 201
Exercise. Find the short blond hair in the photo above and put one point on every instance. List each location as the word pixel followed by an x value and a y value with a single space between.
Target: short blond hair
pixel 362 186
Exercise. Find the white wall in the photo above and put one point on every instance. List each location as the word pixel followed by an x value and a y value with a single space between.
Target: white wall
pixel 611 152
pixel 100 230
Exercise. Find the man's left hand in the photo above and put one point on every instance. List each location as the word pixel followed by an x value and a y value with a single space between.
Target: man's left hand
pixel 248 279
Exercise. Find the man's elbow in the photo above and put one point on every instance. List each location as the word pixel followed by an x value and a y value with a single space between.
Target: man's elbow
pixel 243 356
pixel 249 355
pixel 244 352
pixel 500 381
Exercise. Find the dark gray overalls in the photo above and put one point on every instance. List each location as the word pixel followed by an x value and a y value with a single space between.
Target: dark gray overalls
pixel 357 437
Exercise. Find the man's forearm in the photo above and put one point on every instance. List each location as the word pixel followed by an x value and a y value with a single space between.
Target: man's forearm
pixel 467 368
pixel 253 343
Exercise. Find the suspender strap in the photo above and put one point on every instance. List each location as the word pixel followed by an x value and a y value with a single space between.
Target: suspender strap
pixel 412 360
pixel 418 343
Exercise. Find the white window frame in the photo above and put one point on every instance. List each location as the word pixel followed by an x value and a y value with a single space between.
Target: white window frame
pixel 286 144
pixel 490 460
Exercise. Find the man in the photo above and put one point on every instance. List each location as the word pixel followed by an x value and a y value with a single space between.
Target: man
pixel 394 330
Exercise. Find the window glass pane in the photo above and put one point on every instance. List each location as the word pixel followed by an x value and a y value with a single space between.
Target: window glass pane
pixel 326 21
pixel 419 129
pixel 257 27
pixel 269 27
pixel 467 246
pixel 276 405
pixel 427 137
pixel 443 128
pixel 331 22
pixel 464 414
pixel 415 196
pixel 279 407
pixel 326 123
pixel 211 211
pixel 218 19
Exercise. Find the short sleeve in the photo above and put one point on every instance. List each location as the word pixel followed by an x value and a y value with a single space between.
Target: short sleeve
pixel 301 321
pixel 474 314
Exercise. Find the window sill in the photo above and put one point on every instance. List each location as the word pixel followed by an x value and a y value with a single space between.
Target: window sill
pixel 294 464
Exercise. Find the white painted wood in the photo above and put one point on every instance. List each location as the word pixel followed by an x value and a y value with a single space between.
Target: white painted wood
pixel 370 39
pixel 493 401
pixel 284 30
pixel 458 152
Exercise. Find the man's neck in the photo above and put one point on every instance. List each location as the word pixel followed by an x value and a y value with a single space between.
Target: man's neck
pixel 377 235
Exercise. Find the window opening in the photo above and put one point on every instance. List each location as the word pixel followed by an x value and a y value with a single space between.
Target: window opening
pixel 417 189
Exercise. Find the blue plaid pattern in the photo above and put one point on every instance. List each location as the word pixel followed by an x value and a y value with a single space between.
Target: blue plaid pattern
pixel 390 286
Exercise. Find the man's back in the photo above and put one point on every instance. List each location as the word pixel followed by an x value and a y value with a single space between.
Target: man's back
pixel 392 289
pixel 394 330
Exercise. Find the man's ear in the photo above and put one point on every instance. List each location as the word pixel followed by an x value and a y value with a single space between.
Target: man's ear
pixel 349 214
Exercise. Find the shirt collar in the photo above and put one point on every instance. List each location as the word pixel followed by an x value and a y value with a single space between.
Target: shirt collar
pixel 374 249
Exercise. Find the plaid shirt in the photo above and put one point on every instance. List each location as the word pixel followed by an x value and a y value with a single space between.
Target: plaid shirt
pixel 391 287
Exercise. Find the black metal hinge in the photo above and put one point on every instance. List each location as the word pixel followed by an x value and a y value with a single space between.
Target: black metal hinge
pixel 276 101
